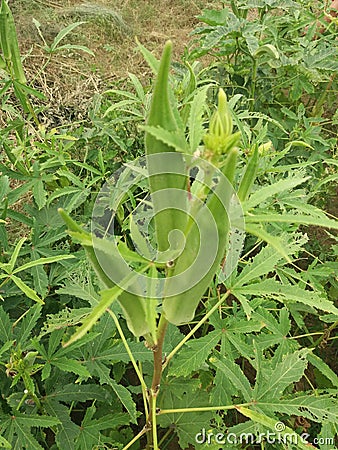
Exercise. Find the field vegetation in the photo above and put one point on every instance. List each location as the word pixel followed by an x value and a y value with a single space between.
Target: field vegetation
pixel 117 332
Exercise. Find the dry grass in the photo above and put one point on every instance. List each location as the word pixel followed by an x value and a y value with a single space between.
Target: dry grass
pixel 70 79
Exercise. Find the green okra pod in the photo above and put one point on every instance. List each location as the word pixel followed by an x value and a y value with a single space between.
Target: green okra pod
pixel 181 308
pixel 9 43
pixel 230 165
pixel 4 32
pixel 212 227
pixel 249 176
pixel 165 182
pixel 2 62
pixel 134 306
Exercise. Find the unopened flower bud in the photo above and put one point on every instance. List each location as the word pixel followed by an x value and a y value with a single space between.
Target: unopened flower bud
pixel 263 149
pixel 220 127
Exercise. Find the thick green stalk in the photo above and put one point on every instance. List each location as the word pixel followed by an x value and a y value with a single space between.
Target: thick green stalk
pixel 156 381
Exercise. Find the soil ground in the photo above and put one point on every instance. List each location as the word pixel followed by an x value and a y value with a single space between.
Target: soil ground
pixel 68 78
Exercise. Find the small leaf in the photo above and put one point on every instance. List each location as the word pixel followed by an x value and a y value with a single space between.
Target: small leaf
pixel 62 34
pixel 5 347
pixel 149 57
pixel 39 194
pixel 107 298
pixel 75 47
pixel 34 420
pixel 23 333
pixel 300 219
pixel 26 289
pixel 186 425
pixel 272 189
pixel 40 280
pixel 25 437
pixel 123 394
pixel 41 261
pixel 15 254
pixel 319 408
pixel 6 332
pixel 174 139
pixel 194 354
pixel 4 187
pixel 75 392
pixel 139 240
pixel 67 430
pixel 234 374
pixel 286 293
pixel 290 370
pixel 279 330
pixel 79 289
pixel 90 429
pixel 138 87
pixel 262 264
pixel 323 368
pixel 29 90
pixel 4 443
pixel 222 390
pixel 274 241
pixel 70 365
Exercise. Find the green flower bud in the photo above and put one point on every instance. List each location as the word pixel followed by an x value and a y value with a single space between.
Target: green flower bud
pixel 220 128
pixel 263 149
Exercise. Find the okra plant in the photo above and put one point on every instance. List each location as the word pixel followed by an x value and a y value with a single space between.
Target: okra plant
pixel 10 62
pixel 187 224
pixel 156 261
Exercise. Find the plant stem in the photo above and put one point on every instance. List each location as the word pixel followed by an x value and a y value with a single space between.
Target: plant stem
pixel 158 366
pixel 326 334
pixel 32 112
pixel 201 409
pixel 131 356
pixel 156 381
pixel 144 394
pixel 306 335
pixel 153 420
pixel 321 100
pixel 253 84
pixel 136 438
pixel 196 327
pixel 165 436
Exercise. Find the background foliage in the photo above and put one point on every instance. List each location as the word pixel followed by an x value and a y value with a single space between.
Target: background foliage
pixel 271 342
